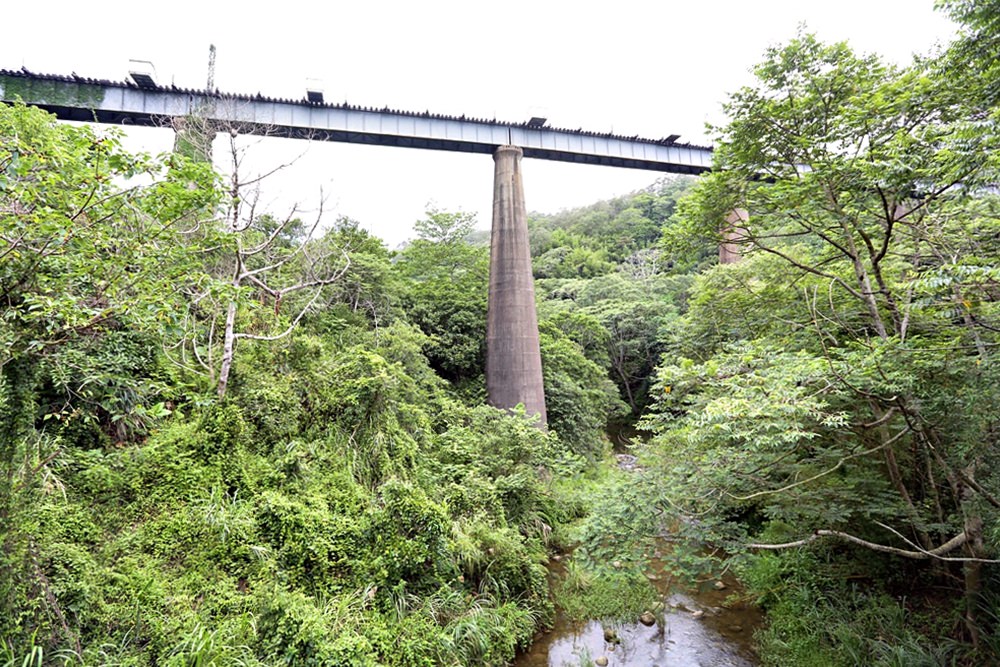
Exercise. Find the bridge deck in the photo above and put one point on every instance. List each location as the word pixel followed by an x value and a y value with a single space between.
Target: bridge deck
pixel 81 99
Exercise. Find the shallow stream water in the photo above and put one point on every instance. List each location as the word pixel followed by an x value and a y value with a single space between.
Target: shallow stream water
pixel 702 628
pixel 707 627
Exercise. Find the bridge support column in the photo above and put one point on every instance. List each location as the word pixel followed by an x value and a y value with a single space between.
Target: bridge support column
pixel 513 358
pixel 733 232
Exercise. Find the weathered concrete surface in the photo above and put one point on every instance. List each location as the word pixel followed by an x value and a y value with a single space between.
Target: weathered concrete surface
pixel 513 359
pixel 733 233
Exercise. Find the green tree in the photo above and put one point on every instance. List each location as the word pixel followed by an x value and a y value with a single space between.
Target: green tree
pixel 971 61
pixel 84 255
pixel 590 241
pixel 621 320
pixel 446 282
pixel 445 227
pixel 579 397
pixel 89 269
pixel 858 406
pixel 367 285
pixel 635 313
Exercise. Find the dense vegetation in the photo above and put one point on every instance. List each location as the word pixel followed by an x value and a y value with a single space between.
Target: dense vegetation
pixel 233 438
pixel 229 439
pixel 825 410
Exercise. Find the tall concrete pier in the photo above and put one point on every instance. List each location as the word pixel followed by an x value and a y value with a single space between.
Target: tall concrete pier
pixel 734 232
pixel 513 359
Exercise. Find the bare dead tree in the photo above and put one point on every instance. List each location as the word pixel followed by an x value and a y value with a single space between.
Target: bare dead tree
pixel 273 261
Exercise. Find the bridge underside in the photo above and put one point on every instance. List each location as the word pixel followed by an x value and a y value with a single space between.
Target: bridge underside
pixel 119 103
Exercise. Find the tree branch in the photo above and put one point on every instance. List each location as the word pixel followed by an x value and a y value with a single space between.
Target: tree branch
pixel 920 554
pixel 826 472
pixel 291 327
pixel 809 269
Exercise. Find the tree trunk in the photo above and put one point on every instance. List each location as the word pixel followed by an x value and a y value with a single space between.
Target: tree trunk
pixel 229 343
pixel 973 571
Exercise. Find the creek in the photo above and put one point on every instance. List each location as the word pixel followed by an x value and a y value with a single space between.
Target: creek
pixel 703 627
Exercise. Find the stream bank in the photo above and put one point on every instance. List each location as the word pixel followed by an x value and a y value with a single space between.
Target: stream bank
pixel 707 626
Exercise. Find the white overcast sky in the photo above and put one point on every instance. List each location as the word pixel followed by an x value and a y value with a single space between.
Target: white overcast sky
pixel 651 68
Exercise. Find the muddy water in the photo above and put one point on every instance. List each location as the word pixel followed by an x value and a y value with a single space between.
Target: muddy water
pixel 699 628
pixel 705 627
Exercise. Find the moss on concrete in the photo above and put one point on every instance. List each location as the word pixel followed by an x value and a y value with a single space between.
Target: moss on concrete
pixel 50 92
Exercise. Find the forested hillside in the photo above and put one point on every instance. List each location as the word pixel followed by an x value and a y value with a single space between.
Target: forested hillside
pixel 231 436
pixel 825 410
pixel 231 439
pixel 604 282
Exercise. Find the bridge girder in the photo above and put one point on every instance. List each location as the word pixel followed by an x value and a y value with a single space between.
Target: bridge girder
pixel 79 99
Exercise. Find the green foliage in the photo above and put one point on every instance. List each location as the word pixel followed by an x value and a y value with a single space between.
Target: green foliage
pixel 822 391
pixel 579 397
pixel 203 546
pixel 970 63
pixel 367 284
pixel 86 263
pixel 316 545
pixel 613 545
pixel 605 593
pixel 591 241
pixel 445 294
pixel 407 535
pixel 572 262
pixel 608 287
pixel 621 323
pixel 338 506
pixel 296 629
pixel 442 227
pixel 840 623
pixel 368 398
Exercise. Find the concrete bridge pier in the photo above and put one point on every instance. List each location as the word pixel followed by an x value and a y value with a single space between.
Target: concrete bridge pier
pixel 734 231
pixel 513 357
